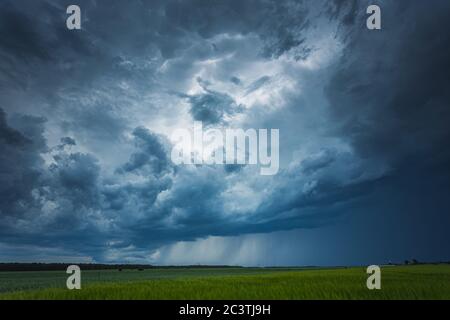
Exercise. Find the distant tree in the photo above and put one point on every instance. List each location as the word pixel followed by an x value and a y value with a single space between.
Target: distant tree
pixel 406 262
pixel 414 261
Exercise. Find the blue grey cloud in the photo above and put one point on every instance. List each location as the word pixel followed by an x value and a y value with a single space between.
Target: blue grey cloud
pixel 152 156
pixel 86 118
pixel 213 107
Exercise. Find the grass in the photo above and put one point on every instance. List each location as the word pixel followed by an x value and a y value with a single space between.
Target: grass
pixel 32 280
pixel 402 282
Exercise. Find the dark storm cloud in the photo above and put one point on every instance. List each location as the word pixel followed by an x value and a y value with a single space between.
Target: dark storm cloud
pixel 29 185
pixel 82 168
pixel 152 155
pixel 165 26
pixel 73 78
pixel 395 106
pixel 318 161
pixel 8 135
pixel 346 9
pixel 20 163
pixel 75 179
pixel 36 45
pixel 277 22
pixel 236 80
pixel 213 107
pixel 68 141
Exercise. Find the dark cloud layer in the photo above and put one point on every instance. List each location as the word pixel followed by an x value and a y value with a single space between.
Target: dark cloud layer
pixel 20 164
pixel 395 105
pixel 85 167
pixel 152 156
pixel 212 107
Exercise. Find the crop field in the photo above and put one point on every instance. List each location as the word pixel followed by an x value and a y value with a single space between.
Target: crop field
pixel 398 282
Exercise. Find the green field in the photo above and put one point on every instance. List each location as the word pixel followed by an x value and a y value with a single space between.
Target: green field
pixel 398 282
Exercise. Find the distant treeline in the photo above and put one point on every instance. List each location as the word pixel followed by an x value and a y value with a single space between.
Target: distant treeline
pixel 91 266
pixel 120 267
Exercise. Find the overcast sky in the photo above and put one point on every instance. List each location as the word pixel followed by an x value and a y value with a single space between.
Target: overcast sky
pixel 86 118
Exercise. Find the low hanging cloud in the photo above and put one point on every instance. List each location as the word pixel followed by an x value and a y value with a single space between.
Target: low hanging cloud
pixel 86 116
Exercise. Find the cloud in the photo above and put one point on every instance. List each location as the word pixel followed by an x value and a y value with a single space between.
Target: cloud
pixel 75 179
pixel 20 163
pixel 393 108
pixel 257 84
pixel 85 163
pixel 213 107
pixel 68 141
pixel 316 162
pixel 152 157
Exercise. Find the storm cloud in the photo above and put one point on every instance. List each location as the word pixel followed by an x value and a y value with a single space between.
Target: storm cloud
pixel 86 119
